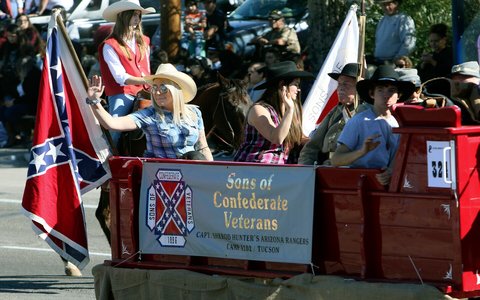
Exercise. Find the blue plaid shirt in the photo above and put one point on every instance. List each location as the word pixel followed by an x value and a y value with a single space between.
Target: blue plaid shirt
pixel 164 138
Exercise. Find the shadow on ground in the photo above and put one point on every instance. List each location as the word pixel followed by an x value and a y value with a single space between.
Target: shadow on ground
pixel 14 157
pixel 43 284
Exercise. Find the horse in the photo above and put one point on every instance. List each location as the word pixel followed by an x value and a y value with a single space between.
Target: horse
pixel 224 106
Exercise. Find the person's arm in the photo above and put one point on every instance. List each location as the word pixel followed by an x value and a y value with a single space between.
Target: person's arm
pixel 20 5
pixel 117 70
pixel 202 146
pixel 384 177
pixel 42 6
pixel 94 91
pixel 407 36
pixel 309 152
pixel 259 117
pixel 344 156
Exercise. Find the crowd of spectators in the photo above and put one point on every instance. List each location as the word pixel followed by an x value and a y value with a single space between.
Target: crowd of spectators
pixel 21 53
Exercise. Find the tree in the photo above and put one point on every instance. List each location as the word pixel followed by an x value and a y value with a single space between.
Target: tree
pixel 326 18
pixel 170 26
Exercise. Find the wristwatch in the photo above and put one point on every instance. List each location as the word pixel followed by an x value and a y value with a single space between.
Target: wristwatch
pixel 93 102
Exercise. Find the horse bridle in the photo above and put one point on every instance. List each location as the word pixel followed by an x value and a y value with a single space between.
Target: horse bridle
pixel 221 97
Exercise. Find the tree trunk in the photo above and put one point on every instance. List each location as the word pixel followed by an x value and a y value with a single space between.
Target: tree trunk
pixel 326 18
pixel 170 18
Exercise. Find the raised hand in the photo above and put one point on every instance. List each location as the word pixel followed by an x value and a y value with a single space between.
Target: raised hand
pixel 95 87
pixel 286 97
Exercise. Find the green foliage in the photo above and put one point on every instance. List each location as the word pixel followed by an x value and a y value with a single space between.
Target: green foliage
pixel 424 13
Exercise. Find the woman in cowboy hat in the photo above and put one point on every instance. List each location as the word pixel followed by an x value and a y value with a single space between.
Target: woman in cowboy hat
pixel 124 57
pixel 367 140
pixel 273 124
pixel 172 128
pixel 323 141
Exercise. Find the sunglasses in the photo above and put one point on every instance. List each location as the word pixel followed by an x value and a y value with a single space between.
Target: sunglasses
pixel 162 89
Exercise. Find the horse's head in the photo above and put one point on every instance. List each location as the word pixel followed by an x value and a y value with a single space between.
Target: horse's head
pixel 224 107
pixel 234 91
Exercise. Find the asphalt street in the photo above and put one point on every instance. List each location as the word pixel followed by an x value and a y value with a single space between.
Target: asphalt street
pixel 29 267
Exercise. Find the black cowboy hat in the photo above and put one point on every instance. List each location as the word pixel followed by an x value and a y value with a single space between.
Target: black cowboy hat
pixel 283 70
pixel 350 70
pixel 384 74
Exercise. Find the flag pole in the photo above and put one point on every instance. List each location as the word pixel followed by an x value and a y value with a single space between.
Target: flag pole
pixel 78 65
pixel 361 52
pixel 361 42
pixel 63 30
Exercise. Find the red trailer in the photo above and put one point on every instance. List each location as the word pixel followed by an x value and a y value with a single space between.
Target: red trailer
pixel 423 228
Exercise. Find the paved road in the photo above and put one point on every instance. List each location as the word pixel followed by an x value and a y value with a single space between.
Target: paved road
pixel 29 268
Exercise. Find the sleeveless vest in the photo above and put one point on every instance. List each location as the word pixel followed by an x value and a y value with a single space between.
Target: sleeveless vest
pixel 136 66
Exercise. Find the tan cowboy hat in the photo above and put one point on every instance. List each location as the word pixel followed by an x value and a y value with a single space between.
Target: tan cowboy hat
pixel 186 83
pixel 110 13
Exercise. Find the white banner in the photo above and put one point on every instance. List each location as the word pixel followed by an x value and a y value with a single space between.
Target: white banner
pixel 343 51
pixel 228 211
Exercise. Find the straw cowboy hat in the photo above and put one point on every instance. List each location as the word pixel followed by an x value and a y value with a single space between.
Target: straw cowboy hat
pixel 283 70
pixel 186 83
pixel 110 13
pixel 384 74
pixel 350 70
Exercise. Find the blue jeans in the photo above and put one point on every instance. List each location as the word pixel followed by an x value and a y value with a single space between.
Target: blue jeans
pixel 118 106
pixel 196 46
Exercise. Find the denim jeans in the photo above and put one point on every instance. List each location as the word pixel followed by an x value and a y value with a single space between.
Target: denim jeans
pixel 118 106
pixel 196 46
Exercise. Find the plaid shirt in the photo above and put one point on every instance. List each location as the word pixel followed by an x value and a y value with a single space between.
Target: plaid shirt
pixel 256 148
pixel 164 138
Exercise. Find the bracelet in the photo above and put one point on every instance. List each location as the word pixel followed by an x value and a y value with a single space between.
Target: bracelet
pixel 92 102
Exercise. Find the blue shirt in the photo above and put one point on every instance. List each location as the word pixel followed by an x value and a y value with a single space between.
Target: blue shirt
pixel 363 125
pixel 394 37
pixel 164 138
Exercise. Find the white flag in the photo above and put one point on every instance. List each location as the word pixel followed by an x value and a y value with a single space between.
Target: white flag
pixel 323 97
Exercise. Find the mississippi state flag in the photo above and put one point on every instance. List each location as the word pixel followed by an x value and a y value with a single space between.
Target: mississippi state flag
pixel 323 95
pixel 68 156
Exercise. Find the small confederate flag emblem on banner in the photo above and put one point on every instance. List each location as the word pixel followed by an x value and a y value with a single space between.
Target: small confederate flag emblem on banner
pixel 68 156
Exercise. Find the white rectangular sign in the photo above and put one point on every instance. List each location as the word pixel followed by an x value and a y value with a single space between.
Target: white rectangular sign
pixel 439 165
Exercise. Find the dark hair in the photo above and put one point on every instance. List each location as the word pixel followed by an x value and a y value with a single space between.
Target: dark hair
pixel 440 29
pixel 13 28
pixel 191 2
pixel 272 97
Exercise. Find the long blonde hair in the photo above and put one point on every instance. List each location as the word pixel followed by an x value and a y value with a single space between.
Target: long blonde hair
pixel 181 112
pixel 120 30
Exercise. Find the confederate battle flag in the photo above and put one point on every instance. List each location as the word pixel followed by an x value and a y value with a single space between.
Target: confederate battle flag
pixel 68 156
